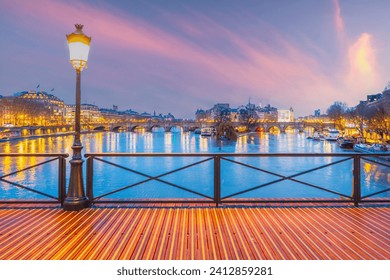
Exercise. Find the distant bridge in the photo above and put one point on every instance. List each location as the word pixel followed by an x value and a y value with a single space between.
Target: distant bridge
pixel 191 125
pixel 166 125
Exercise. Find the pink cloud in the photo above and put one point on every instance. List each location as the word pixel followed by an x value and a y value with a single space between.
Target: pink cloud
pixel 280 72
pixel 338 20
pixel 363 72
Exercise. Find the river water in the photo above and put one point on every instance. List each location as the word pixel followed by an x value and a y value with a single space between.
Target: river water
pixel 235 177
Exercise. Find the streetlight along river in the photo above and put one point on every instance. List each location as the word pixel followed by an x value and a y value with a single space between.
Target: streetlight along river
pixel 78 50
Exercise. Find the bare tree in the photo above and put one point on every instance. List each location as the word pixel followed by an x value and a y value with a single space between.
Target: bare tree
pixel 248 116
pixel 379 121
pixel 336 112
pixel 359 117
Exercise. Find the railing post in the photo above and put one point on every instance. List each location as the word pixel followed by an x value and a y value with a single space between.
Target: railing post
pixel 356 190
pixel 90 179
pixel 61 179
pixel 217 180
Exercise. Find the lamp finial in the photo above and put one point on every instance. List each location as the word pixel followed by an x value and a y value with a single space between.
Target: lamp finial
pixel 79 27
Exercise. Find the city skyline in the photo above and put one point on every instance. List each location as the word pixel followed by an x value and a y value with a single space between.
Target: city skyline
pixel 179 56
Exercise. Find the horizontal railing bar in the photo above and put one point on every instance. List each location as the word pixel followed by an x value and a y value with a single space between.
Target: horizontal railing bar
pixel 233 154
pixel 33 155
pixel 27 202
pixel 27 168
pixel 281 200
pixel 154 201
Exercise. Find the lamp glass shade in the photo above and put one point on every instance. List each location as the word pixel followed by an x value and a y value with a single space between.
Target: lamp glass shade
pixel 78 44
pixel 78 53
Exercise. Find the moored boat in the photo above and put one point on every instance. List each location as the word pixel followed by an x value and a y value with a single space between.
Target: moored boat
pixel 332 135
pixel 318 136
pixel 206 131
pixel 373 149
pixel 346 142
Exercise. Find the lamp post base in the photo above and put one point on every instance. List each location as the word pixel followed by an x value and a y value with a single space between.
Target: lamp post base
pixel 75 203
pixel 76 199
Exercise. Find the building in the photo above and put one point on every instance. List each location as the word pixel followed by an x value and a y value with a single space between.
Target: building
pixel 56 107
pixel 220 111
pixel 89 114
pixel 286 115
pixel 268 113
pixel 202 115
pixel 374 97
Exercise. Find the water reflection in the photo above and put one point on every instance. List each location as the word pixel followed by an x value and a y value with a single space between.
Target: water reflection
pixel 234 177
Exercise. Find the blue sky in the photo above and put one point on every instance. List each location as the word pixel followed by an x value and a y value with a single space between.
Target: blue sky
pixel 177 56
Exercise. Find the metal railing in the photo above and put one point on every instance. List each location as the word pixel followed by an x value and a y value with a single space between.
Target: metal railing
pixel 50 198
pixel 218 194
pixel 356 189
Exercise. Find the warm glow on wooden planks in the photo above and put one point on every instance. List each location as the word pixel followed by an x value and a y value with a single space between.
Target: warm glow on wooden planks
pixel 169 233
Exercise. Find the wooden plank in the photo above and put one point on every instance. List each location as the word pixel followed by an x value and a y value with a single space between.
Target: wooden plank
pixel 131 224
pixel 85 222
pixel 23 234
pixel 196 233
pixel 315 230
pixel 310 239
pixel 139 228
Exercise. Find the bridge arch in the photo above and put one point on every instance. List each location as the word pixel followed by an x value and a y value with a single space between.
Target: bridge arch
pixel 118 128
pixel 290 128
pixel 137 128
pixel 156 128
pixel 274 129
pixel 174 128
pixel 99 128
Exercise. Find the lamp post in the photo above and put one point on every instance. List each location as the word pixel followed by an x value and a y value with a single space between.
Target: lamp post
pixel 78 49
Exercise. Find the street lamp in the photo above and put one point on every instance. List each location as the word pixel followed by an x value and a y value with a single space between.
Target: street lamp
pixel 78 49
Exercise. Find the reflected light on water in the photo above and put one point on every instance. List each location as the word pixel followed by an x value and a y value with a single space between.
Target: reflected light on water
pixel 168 142
pixel 374 176
pixel 131 140
pixel 204 144
pixel 148 144
pixel 185 142
pixel 242 145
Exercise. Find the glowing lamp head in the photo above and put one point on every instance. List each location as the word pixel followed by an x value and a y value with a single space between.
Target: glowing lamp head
pixel 78 48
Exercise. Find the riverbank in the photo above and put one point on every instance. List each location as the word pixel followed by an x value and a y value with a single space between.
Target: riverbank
pixel 16 138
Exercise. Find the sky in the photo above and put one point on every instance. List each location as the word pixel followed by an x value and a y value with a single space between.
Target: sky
pixel 178 56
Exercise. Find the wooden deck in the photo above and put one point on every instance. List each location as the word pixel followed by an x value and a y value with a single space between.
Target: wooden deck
pixel 196 233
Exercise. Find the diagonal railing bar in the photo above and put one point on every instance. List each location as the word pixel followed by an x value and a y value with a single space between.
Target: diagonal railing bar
pixel 372 194
pixel 253 167
pixel 375 161
pixel 253 188
pixel 29 189
pixel 151 178
pixel 27 168
pixel 320 188
pixel 281 176
pixel 286 178
pixel 280 180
